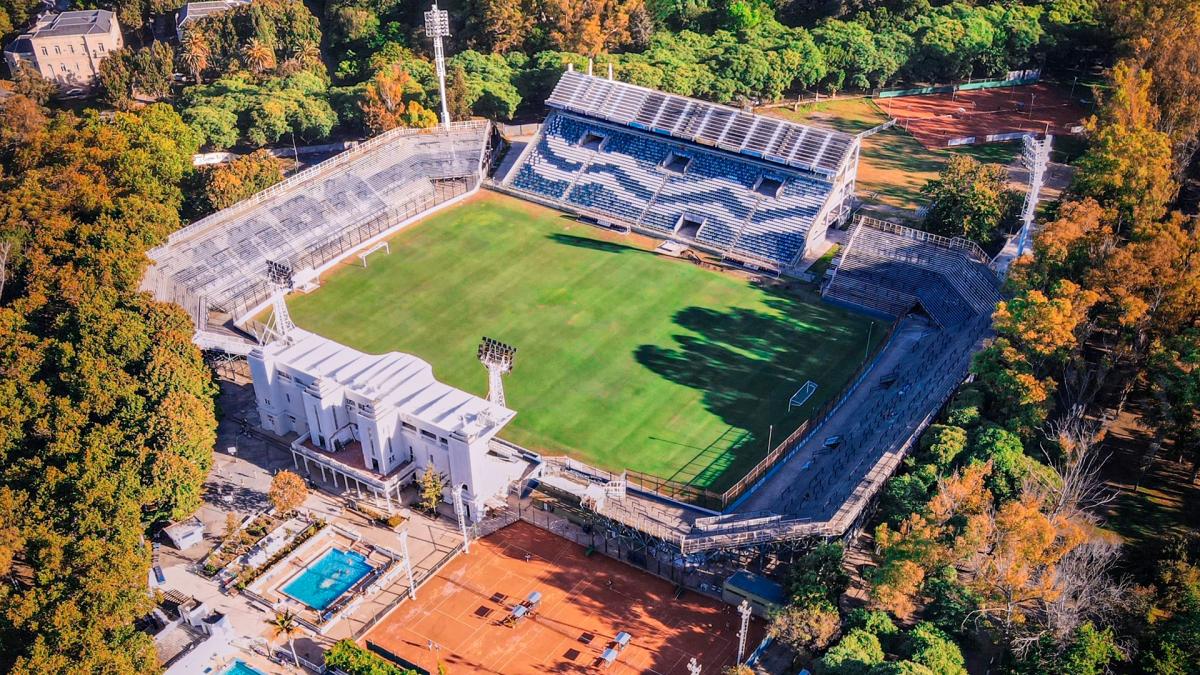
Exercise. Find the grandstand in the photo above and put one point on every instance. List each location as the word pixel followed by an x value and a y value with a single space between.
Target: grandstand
pixel 219 268
pixel 754 189
pixel 890 269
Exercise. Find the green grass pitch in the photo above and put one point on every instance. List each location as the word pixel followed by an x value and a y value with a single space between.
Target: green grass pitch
pixel 625 359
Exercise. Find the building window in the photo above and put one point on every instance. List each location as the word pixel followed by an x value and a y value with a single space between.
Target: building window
pixel 428 434
pixel 288 397
pixel 101 46
pixel 57 50
pixel 72 48
pixel 408 426
pixel 63 67
pixel 44 52
pixel 443 441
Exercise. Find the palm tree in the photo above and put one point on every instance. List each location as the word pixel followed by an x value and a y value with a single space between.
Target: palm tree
pixel 258 55
pixel 307 53
pixel 285 623
pixel 194 53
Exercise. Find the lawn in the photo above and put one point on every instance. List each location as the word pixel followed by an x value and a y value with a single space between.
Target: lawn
pixel 625 359
pixel 894 166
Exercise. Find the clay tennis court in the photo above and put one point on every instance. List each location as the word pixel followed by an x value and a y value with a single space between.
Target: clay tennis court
pixel 585 602
pixel 936 118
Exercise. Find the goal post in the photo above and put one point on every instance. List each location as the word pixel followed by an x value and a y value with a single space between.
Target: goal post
pixel 802 395
pixel 362 256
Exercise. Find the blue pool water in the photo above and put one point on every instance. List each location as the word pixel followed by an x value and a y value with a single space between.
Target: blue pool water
pixel 325 580
pixel 240 667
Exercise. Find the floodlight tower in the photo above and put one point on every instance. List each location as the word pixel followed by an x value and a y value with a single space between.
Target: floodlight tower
pixel 437 26
pixel 497 357
pixel 1035 157
pixel 693 667
pixel 280 276
pixel 744 610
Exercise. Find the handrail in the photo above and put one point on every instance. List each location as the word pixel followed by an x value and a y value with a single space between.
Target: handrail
pixel 302 176
pixel 973 250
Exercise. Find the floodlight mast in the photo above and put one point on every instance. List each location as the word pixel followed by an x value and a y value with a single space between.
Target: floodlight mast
pixel 437 26
pixel 1036 157
pixel 497 357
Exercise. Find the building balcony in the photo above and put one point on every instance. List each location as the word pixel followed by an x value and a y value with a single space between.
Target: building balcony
pixel 349 462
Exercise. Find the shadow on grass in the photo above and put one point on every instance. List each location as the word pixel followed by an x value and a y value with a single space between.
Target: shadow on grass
pixel 746 362
pixel 588 242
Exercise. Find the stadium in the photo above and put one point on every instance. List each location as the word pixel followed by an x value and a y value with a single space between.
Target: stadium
pixel 678 377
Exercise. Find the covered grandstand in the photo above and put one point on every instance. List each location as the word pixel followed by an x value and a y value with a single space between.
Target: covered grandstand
pixel 755 189
pixel 219 267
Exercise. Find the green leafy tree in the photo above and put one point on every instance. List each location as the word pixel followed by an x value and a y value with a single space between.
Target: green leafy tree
pixel 926 645
pixel 854 654
pixel 968 199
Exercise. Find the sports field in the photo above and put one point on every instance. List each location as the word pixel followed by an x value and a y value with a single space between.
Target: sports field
pixel 894 165
pixel 625 359
pixel 458 618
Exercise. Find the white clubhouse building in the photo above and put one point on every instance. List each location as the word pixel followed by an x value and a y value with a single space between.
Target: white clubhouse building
pixel 377 421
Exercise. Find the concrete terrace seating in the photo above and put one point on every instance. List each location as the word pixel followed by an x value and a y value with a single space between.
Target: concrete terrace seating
pixel 621 173
pixel 890 272
pixel 315 215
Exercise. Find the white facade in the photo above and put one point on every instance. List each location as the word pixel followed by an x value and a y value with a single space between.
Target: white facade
pixel 380 420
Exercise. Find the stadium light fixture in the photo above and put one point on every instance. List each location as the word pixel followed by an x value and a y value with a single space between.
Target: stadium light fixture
pixel 437 26
pixel 497 357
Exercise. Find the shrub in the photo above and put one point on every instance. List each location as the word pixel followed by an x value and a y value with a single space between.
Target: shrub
pixel 349 658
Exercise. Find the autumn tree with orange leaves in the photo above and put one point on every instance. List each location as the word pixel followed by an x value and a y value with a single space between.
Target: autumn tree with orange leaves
pixel 389 102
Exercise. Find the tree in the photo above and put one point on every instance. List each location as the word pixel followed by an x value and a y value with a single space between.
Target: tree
pixel 1128 165
pixel 818 574
pixel 430 486
pixel 943 444
pixel 232 526
pixel 457 93
pixel 968 199
pixel 388 102
pixel 854 654
pixel 1046 324
pixel 258 56
pixel 285 623
pixel 500 25
pixel 1174 375
pixel 288 491
pixel 1014 393
pixel 106 416
pixel 932 648
pixel 194 54
pixel 28 82
pixel 806 628
pixel 227 184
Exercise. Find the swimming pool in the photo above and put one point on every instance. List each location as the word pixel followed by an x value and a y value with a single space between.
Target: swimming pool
pixel 240 667
pixel 326 579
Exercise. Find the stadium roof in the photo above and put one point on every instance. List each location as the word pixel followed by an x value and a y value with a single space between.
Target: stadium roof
pixel 393 380
pixel 796 145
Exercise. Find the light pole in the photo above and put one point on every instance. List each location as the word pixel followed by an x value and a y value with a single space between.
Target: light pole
pixel 437 26
pixel 744 609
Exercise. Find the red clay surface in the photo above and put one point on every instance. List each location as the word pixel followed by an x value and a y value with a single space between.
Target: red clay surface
pixel 937 118
pixel 461 610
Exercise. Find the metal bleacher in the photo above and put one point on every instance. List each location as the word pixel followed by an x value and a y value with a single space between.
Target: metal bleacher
pixel 890 269
pixel 652 161
pixel 219 263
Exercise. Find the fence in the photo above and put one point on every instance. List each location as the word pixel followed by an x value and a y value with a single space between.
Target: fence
pixel 419 578
pixel 973 250
pixel 1015 78
pixel 780 452
pixel 350 240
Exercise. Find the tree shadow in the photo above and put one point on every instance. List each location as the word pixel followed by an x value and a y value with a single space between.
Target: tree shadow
pixel 747 363
pixel 589 243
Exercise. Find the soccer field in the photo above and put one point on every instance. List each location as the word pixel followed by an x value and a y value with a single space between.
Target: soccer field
pixel 625 359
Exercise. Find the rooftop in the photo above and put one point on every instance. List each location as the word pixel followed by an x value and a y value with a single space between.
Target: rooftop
pixel 194 11
pixel 392 380
pixel 822 151
pixel 81 22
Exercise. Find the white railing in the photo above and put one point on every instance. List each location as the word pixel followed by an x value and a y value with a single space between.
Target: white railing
pixel 306 174
pixel 967 246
